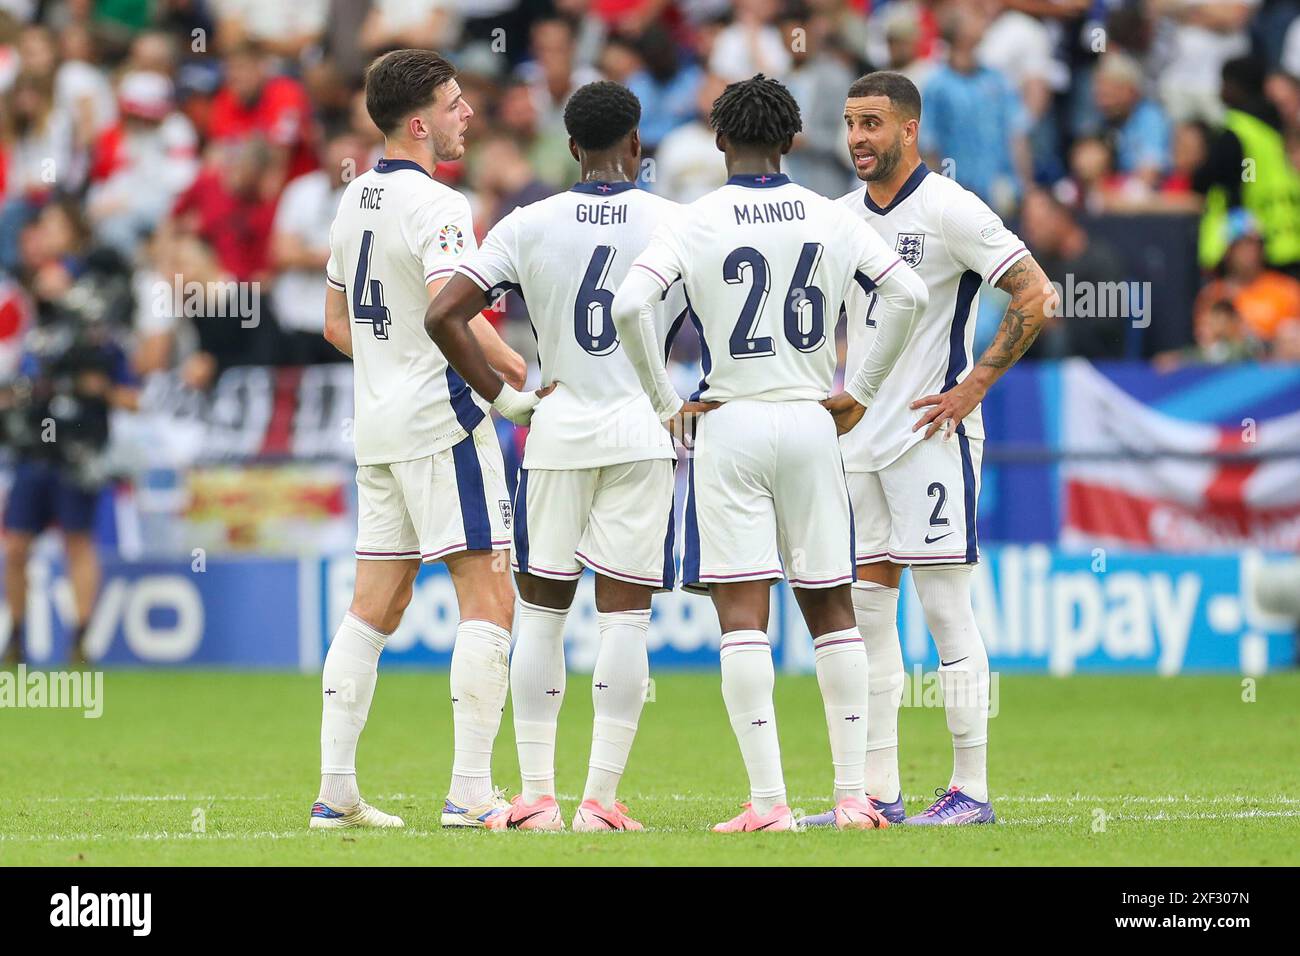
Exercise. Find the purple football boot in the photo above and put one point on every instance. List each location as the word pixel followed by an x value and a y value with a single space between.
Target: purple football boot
pixel 893 812
pixel 953 808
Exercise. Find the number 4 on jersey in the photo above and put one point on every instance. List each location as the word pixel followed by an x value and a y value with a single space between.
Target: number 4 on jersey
pixel 364 287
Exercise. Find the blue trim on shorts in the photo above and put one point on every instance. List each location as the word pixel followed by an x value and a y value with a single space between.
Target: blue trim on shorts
pixel 968 479
pixel 670 556
pixel 521 521
pixel 691 557
pixel 473 497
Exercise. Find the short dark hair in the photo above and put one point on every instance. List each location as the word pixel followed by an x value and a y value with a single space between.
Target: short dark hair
pixel 401 82
pixel 599 114
pixel 756 112
pixel 901 92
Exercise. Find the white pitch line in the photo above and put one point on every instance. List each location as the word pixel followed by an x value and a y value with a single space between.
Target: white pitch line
pixel 1276 799
pixel 409 833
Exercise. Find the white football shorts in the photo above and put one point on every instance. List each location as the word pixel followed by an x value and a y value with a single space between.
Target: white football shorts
pixel 431 507
pixel 920 508
pixel 767 498
pixel 616 520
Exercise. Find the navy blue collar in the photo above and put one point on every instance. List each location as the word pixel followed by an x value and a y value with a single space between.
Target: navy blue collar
pixel 906 190
pixel 765 181
pixel 393 165
pixel 602 188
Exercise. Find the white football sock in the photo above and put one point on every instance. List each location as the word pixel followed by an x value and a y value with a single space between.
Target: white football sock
pixel 842 677
pixel 747 682
pixel 963 670
pixel 480 676
pixel 875 607
pixel 618 691
pixel 348 685
pixel 537 681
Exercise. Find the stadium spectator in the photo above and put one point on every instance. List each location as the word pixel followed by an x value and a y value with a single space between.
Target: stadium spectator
pixel 1072 257
pixel 285 30
pixel 231 206
pixel 1201 36
pixel 1264 298
pixel 666 87
pixel 1248 168
pixel 252 102
pixel 687 166
pixel 56 420
pixel 142 163
pixel 553 73
pixel 300 250
pixel 393 24
pixel 1135 125
pixel 818 158
pixel 547 147
pixel 751 44
pixel 991 157
pixel 896 41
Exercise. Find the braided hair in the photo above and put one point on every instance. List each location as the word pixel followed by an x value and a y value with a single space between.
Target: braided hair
pixel 756 112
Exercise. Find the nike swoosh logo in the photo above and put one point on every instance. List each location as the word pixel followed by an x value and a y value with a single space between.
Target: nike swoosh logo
pixel 930 540
pixel 951 663
pixel 606 822
pixel 513 824
pixel 765 826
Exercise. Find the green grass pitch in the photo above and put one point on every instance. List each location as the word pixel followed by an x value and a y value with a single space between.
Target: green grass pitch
pixel 1087 770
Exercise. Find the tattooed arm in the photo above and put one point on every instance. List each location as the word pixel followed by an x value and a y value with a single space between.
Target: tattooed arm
pixel 1033 302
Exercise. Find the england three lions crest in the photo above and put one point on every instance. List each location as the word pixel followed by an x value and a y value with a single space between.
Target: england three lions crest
pixel 910 247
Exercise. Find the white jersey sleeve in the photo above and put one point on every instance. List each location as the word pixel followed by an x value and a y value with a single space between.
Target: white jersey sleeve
pixel 333 271
pixel 494 267
pixel 976 237
pixel 441 234
pixel 662 259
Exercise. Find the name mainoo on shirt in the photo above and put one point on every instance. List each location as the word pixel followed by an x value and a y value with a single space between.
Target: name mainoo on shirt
pixel 602 214
pixel 763 212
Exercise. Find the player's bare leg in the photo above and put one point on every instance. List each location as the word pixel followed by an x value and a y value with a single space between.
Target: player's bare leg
pixel 618 692
pixel 842 676
pixel 18 551
pixel 748 679
pixel 84 573
pixel 480 678
pixel 380 595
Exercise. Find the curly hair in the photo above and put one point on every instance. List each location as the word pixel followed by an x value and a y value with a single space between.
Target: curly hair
pixel 599 114
pixel 756 112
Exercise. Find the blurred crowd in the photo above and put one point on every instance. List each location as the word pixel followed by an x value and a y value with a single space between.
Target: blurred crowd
pixel 153 147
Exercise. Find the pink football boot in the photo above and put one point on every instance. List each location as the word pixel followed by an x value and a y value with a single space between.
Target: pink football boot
pixel 593 818
pixel 854 814
pixel 776 819
pixel 544 814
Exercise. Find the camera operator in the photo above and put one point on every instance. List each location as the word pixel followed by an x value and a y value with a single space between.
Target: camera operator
pixel 56 411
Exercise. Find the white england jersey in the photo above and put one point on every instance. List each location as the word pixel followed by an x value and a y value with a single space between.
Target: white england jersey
pixel 566 255
pixel 766 265
pixel 953 241
pixel 398 229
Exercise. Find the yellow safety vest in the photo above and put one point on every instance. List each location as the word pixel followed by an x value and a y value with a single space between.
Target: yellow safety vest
pixel 1270 192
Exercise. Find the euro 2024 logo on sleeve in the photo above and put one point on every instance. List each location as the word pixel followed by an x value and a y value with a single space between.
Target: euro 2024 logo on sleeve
pixel 451 240
pixel 910 247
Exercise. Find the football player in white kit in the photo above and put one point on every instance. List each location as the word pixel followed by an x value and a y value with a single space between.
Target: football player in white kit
pixel 914 475
pixel 596 486
pixel 430 480
pixel 766 265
